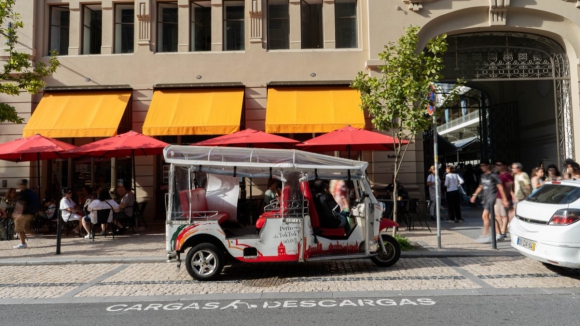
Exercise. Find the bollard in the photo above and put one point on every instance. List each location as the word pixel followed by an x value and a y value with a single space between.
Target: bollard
pixel 492 222
pixel 58 231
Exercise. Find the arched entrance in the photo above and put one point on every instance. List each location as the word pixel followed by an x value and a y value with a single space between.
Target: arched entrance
pixel 526 71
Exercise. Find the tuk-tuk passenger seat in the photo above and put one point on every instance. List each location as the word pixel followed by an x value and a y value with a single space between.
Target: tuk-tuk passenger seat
pixel 284 205
pixel 199 209
pixel 334 232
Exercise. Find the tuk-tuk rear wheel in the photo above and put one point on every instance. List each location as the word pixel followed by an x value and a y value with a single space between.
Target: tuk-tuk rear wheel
pixel 204 261
pixel 392 255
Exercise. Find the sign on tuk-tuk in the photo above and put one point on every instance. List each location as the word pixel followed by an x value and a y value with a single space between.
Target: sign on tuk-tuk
pixel 305 222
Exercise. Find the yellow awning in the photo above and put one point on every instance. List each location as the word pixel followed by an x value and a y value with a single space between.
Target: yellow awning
pixel 194 112
pixel 312 109
pixel 78 114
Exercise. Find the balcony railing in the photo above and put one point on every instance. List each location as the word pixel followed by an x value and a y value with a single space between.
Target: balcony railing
pixel 456 122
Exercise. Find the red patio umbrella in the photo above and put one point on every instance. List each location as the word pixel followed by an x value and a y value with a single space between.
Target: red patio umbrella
pixel 249 138
pixel 350 138
pixel 128 144
pixel 34 148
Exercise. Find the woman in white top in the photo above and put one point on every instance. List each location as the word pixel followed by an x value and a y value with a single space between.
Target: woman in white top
pixel 68 206
pixel 104 202
pixel 431 183
pixel 453 181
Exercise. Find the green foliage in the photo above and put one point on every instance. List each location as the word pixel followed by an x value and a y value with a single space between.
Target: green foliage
pixel 20 72
pixel 398 97
pixel 404 243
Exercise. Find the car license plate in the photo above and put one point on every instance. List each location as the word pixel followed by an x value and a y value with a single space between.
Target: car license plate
pixel 528 244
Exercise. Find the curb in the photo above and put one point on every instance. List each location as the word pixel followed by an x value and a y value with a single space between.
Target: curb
pixel 162 259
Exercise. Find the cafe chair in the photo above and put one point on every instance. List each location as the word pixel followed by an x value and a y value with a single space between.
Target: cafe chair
pixel 103 218
pixel 139 213
pixel 418 210
pixel 126 220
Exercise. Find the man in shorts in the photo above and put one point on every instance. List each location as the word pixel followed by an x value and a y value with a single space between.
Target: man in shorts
pixel 490 185
pixel 501 212
pixel 23 215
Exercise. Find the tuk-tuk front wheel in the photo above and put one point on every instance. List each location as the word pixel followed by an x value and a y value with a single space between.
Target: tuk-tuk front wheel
pixel 204 262
pixel 389 258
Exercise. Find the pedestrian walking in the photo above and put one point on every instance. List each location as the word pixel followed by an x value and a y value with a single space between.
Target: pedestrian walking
pixel 502 212
pixel 431 178
pixel 567 171
pixel 470 178
pixel 26 208
pixel 452 182
pixel 537 178
pixel 522 183
pixel 575 171
pixel 553 173
pixel 489 186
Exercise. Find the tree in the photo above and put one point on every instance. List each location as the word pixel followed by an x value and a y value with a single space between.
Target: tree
pixel 398 98
pixel 20 72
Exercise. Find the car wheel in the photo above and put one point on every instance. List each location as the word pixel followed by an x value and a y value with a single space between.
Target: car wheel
pixel 389 258
pixel 204 261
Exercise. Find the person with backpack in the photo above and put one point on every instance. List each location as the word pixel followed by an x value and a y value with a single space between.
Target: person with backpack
pixel 26 208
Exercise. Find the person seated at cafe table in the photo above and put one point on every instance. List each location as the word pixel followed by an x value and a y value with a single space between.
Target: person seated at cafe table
pixel 69 210
pixel 104 201
pixel 125 205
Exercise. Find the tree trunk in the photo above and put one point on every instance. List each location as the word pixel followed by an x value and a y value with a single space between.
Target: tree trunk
pixel 395 194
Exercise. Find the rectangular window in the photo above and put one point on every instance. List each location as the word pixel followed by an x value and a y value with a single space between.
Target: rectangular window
pixel 92 29
pixel 200 26
pixel 124 28
pixel 345 23
pixel 167 27
pixel 233 25
pixel 278 25
pixel 59 29
pixel 311 24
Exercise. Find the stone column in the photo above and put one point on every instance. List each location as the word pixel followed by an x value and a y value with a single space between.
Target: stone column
pixel 183 26
pixel 295 33
pixel 328 24
pixel 256 23
pixel 143 26
pixel 75 29
pixel 217 25
pixel 107 27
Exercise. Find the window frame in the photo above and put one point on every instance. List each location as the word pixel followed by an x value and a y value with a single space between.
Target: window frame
pixel 50 13
pixel 224 23
pixel 355 17
pixel 158 21
pixel 320 24
pixel 287 19
pixel 192 22
pixel 82 45
pixel 115 6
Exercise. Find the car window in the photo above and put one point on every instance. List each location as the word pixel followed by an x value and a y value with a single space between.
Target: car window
pixel 555 194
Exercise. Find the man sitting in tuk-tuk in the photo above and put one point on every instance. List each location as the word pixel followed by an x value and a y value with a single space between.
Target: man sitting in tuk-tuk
pixel 328 210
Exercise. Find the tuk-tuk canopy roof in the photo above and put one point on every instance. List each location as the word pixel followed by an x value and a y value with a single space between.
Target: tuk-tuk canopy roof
pixel 258 162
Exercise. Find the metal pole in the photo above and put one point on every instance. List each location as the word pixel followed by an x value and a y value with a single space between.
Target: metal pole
pixel 437 188
pixel 58 231
pixel 493 241
pixel 38 171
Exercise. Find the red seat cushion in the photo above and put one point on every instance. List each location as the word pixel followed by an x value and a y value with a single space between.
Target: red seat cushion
pixel 336 232
pixel 284 204
pixel 196 198
pixel 305 188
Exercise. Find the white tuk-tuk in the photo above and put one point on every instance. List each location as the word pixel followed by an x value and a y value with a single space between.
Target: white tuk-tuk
pixel 203 209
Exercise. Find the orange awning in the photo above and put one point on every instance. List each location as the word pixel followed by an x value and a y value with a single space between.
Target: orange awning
pixel 78 114
pixel 312 109
pixel 194 112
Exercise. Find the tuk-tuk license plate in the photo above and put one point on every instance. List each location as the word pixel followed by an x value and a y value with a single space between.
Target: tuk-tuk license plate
pixel 528 244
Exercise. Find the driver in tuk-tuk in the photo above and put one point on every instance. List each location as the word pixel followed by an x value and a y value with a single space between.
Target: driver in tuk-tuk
pixel 328 210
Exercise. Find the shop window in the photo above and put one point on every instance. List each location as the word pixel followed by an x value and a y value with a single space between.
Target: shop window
pixel 200 26
pixel 345 23
pixel 278 25
pixel 167 27
pixel 124 28
pixel 233 25
pixel 311 24
pixel 92 29
pixel 59 29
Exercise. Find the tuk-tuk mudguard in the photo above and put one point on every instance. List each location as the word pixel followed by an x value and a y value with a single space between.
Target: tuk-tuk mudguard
pixel 386 223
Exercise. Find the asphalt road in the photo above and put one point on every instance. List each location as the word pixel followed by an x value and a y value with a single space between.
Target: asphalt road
pixel 526 310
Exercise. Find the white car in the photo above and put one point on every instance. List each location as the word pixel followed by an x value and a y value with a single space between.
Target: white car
pixel 547 224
